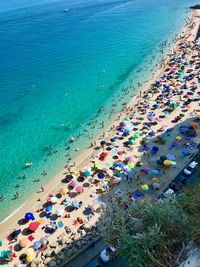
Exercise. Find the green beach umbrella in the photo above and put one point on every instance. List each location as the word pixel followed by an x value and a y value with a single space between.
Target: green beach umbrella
pixel 126 118
pixel 86 174
pixel 131 142
pixel 131 165
pixel 136 135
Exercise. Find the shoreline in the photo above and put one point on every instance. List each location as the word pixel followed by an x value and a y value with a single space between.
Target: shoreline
pixel 86 154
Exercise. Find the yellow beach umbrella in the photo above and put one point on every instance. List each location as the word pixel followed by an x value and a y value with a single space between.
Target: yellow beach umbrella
pixel 131 165
pixel 198 116
pixel 167 162
pixel 30 255
pixel 145 187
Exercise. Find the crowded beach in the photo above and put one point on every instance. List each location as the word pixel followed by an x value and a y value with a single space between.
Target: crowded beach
pixel 153 139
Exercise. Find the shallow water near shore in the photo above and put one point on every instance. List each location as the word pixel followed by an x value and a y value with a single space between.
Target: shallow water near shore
pixel 59 68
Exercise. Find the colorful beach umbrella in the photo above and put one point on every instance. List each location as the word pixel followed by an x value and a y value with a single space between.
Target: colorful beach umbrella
pixel 49 209
pixel 79 189
pixel 145 187
pixel 53 200
pixel 60 212
pixel 29 216
pixel 101 175
pixel 37 245
pixel 86 174
pixel 30 255
pixel 24 242
pixel 33 226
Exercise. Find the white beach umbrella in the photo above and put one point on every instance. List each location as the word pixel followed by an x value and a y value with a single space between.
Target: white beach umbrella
pixel 53 200
pixel 60 212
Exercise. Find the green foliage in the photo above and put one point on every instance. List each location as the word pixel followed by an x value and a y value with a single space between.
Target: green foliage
pixel 150 233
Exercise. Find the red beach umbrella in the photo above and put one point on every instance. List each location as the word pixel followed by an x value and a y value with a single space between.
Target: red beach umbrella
pixel 120 153
pixel 104 154
pixel 33 226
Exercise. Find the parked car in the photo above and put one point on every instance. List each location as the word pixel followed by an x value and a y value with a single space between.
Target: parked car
pixel 107 253
pixel 190 168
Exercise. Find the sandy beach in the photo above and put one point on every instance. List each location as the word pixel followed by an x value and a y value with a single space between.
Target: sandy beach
pixel 107 182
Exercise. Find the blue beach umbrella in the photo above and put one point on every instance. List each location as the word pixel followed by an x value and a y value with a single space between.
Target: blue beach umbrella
pixel 49 209
pixel 101 176
pixel 154 172
pixel 29 216
pixel 37 245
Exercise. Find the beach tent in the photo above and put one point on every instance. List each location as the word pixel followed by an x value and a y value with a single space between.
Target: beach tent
pixel 33 226
pixel 29 216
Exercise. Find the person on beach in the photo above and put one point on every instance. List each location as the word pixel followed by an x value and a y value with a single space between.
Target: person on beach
pixel 16 195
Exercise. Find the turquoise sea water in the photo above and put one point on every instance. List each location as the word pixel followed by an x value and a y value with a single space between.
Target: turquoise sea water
pixel 58 68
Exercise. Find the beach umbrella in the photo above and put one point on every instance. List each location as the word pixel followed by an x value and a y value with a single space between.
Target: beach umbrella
pixel 104 154
pixel 24 242
pixel 44 240
pixel 53 200
pixel 145 187
pixel 154 172
pixel 163 158
pixel 86 174
pixel 131 141
pixel 8 254
pixel 171 157
pixel 75 204
pixel 79 189
pixel 49 209
pixel 179 138
pixel 121 165
pixel 129 158
pixel 159 162
pixel 151 134
pixel 136 135
pixel 37 245
pixel 120 153
pixel 14 234
pixel 154 149
pixel 101 176
pixel 60 212
pixel 156 185
pixel 30 255
pixel 103 143
pixel 33 226
pixel 167 162
pixel 29 216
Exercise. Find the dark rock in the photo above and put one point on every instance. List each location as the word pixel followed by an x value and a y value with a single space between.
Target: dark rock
pixel 195 7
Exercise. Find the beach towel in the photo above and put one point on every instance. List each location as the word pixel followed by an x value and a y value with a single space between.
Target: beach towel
pixel 31 238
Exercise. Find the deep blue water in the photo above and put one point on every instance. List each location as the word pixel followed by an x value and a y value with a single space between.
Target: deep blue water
pixel 58 68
